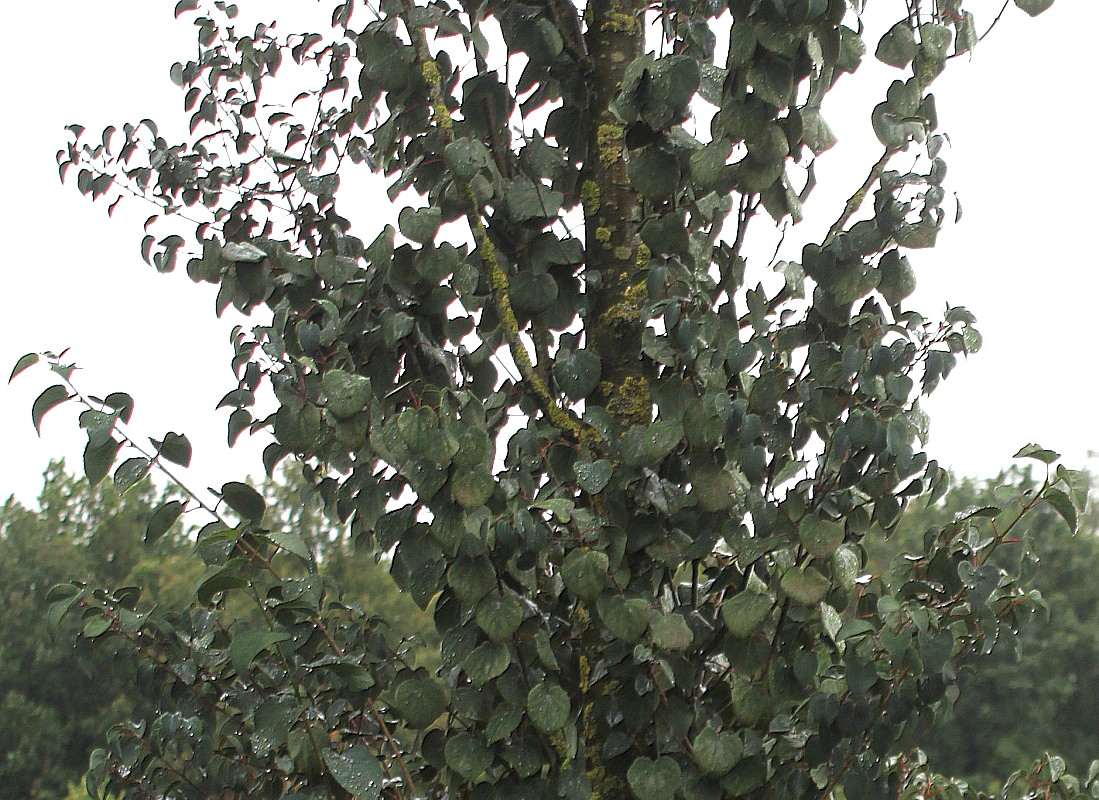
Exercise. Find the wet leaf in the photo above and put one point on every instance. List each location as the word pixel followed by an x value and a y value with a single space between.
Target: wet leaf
pixel 357 770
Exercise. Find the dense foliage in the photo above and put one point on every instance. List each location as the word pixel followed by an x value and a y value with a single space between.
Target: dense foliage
pixel 1033 693
pixel 631 467
pixel 60 693
pixel 56 699
pixel 59 700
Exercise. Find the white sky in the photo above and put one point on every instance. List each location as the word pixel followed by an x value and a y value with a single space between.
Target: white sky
pixel 1020 116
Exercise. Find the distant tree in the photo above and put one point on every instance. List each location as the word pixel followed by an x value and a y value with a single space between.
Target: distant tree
pixel 58 693
pixel 1035 692
pixel 628 464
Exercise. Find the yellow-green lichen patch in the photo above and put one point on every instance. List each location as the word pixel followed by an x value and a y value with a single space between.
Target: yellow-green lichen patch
pixel 630 402
pixel 591 197
pixel 643 255
pixel 603 235
pixel 625 312
pixel 443 116
pixel 430 71
pixel 617 22
pixel 609 141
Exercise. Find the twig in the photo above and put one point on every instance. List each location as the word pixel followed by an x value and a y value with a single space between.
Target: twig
pixel 854 203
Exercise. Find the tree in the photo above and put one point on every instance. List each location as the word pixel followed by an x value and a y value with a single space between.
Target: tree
pixel 631 466
pixel 1009 691
pixel 56 699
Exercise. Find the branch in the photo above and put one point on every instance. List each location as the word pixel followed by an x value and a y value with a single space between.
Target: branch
pixel 854 203
pixel 496 275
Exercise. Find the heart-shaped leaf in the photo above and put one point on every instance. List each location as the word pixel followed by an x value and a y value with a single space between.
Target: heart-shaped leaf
pixel 671 632
pixel 585 573
pixel 420 701
pixel 625 619
pixel 487 662
pixel 806 586
pixel 820 537
pixel 716 753
pixel 357 770
pixel 548 707
pixel 499 615
pixel 744 613
pixel 654 780
pixel 593 476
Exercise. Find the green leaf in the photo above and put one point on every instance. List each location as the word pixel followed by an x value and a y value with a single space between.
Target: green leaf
pixel 675 81
pixel 655 173
pixel 488 661
pixel 49 399
pixel 716 753
pixel 533 293
pixel 548 707
pixel 122 403
pixel 852 628
pixel 499 616
pixel 527 200
pixel 219 578
pixel 472 488
pixel 504 720
pixel 897 279
pixel 242 252
pixel 745 612
pixel 175 447
pixel 162 520
pixel 293 543
pixel 670 632
pixel 348 394
pixel 62 598
pixel 96 627
pixel 357 677
pixel 25 362
pixel 1038 453
pixel 466 157
pixel 130 472
pixel 244 500
pixel 593 476
pixel 625 619
pixel 273 721
pixel 647 447
pixel 820 537
pixel 965 33
pixel 420 701
pixel 935 40
pixel 1063 505
pixel 807 585
pixel 1034 7
pixel 585 573
pixel 98 460
pixel 578 373
pixel 335 270
pixel 666 235
pixel 935 649
pixel 419 224
pixel 772 81
pixel 654 780
pixel 471 578
pixel 357 770
pixel 713 487
pixel 248 644
pixel 467 755
pixel 898 46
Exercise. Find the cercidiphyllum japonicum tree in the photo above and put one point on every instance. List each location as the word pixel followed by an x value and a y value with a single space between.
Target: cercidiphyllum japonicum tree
pixel 633 485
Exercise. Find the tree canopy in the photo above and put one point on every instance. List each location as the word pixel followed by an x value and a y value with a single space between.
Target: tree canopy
pixel 629 464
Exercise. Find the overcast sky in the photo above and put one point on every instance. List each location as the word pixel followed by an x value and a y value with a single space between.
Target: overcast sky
pixel 1020 116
